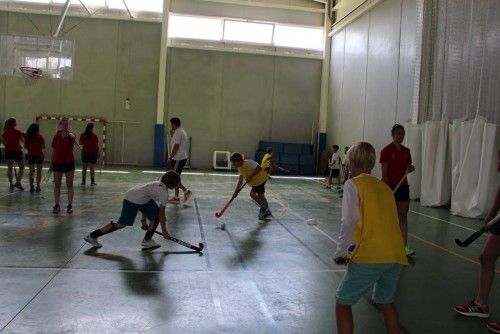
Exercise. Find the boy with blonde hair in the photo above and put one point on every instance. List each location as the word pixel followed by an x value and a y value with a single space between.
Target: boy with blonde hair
pixel 256 177
pixel 370 223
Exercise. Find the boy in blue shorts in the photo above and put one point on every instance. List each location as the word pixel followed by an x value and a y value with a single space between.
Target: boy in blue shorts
pixel 143 198
pixel 370 223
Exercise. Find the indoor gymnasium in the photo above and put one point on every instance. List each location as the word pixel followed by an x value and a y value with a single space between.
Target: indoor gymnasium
pixel 250 166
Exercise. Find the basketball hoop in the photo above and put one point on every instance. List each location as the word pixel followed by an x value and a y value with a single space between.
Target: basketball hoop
pixel 31 74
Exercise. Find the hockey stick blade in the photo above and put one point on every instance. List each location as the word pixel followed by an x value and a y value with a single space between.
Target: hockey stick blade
pixel 470 239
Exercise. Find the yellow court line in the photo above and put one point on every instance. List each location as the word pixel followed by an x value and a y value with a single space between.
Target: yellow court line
pixel 448 251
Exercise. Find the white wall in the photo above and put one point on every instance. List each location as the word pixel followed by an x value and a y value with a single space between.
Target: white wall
pixel 371 75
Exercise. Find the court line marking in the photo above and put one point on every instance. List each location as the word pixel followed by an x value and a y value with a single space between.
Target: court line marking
pixel 463 257
pixel 79 170
pixel 442 220
pixel 42 288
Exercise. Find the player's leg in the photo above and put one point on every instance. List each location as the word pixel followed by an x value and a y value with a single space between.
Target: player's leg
pixel 10 167
pixel 92 173
pixel 69 185
pixel 20 163
pixel 152 212
pixel 489 256
pixel 31 167
pixel 127 217
pixel 384 293
pixel 85 166
pixel 345 320
pixel 38 175
pixel 57 191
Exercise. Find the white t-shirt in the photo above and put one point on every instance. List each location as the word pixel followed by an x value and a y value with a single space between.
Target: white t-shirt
pixel 334 161
pixel 250 164
pixel 143 193
pixel 180 137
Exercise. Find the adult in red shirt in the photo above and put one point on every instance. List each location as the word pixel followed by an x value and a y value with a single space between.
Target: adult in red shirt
pixel 396 163
pixel 63 162
pixel 90 151
pixel 13 139
pixel 35 144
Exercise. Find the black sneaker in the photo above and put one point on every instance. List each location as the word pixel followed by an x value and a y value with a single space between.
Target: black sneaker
pixel 32 188
pixel 83 183
pixel 37 189
pixel 11 187
pixel 69 208
pixel 56 209
pixel 18 185
pixel 93 183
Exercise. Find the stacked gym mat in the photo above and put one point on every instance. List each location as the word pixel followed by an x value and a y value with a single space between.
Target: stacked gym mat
pixel 298 159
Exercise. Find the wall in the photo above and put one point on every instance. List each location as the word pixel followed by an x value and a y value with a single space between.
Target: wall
pixel 371 75
pixel 110 64
pixel 225 100
pixel 231 101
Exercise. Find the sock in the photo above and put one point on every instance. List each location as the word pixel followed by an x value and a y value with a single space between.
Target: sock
pixel 149 235
pixel 96 234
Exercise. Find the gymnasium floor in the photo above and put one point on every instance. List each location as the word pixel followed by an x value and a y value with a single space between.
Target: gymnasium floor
pixel 276 277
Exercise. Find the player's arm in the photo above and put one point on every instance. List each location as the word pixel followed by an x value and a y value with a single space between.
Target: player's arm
pixel 385 176
pixel 494 209
pixel 350 217
pixel 174 151
pixel 238 186
pixel 163 222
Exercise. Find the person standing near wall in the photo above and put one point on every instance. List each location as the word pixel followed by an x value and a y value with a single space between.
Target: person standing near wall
pixel 396 163
pixel 13 139
pixel 90 151
pixel 35 144
pixel 63 162
pixel 178 158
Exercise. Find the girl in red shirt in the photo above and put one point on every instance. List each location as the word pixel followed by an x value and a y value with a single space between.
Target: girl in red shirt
pixel 90 151
pixel 63 162
pixel 13 139
pixel 396 162
pixel 35 144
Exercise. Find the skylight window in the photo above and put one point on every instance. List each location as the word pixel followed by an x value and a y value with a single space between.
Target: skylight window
pixel 298 37
pixel 248 32
pixel 192 27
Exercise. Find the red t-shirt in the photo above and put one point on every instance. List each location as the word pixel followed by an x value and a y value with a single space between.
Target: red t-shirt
pixel 90 144
pixel 397 161
pixel 12 139
pixel 35 146
pixel 63 149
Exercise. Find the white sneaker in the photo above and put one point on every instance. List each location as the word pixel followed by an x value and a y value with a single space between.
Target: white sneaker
pixel 149 244
pixel 92 241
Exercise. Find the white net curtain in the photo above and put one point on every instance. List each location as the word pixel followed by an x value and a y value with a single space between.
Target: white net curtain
pixel 457 137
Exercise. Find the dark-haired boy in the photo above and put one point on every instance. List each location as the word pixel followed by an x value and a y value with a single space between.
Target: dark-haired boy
pixel 143 198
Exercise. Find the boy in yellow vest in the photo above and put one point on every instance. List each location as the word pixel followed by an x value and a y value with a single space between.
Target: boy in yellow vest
pixel 370 222
pixel 255 177
pixel 267 161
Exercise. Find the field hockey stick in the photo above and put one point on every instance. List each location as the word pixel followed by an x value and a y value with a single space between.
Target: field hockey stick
pixel 282 169
pixel 400 183
pixel 478 233
pixel 221 212
pixel 45 181
pixel 180 242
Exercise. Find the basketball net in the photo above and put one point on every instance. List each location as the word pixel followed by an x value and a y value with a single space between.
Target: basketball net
pixel 31 75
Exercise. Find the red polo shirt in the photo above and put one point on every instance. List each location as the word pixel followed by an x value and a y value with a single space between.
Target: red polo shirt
pixel 397 161
pixel 63 149
pixel 90 144
pixel 35 146
pixel 12 140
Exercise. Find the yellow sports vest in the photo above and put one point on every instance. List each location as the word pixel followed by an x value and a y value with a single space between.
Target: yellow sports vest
pixel 266 161
pixel 377 235
pixel 258 179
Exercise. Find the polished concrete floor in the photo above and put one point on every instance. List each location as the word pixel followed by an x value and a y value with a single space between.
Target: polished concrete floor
pixel 276 277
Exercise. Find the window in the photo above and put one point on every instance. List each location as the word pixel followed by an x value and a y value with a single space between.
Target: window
pixel 203 28
pixel 248 32
pixel 298 37
pixel 145 5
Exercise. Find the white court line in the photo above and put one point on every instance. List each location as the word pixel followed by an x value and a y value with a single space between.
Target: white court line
pixel 444 221
pixel 179 270
pixel 79 170
pixel 217 305
pixel 236 175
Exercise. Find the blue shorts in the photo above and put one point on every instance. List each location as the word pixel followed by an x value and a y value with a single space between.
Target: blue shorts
pixel 129 211
pixel 360 278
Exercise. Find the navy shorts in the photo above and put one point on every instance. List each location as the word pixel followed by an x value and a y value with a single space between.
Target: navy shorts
pixel 14 155
pixel 129 211
pixel 177 165
pixel 63 168
pixel 34 159
pixel 402 194
pixel 334 172
pixel 89 157
pixel 260 189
